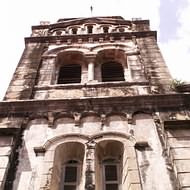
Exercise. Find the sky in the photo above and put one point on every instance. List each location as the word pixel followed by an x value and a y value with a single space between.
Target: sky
pixel 170 18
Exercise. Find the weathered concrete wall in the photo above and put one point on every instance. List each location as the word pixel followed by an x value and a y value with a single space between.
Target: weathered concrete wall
pixel 73 91
pixel 151 161
pixel 35 170
pixel 23 81
pixel 141 166
pixel 179 149
pixel 154 63
pixel 5 152
pixel 84 115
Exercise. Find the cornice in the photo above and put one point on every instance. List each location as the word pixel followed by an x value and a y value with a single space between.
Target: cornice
pixel 86 37
pixel 98 20
pixel 134 103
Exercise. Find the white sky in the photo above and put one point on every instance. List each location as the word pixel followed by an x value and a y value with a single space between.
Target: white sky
pixel 169 17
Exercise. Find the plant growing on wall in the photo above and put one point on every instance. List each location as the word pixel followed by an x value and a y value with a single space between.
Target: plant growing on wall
pixel 176 83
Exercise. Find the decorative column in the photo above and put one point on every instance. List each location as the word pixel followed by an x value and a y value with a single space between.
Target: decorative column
pixel 90 59
pixel 90 166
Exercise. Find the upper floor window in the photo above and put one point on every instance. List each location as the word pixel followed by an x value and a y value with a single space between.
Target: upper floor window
pixel 70 175
pixel 121 29
pixel 105 29
pixel 112 71
pixel 90 29
pixel 70 73
pixel 110 174
pixel 58 33
pixel 74 30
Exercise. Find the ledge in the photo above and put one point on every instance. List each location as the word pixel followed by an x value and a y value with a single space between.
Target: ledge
pixel 9 131
pixel 141 145
pixel 85 37
pixel 177 124
pixel 90 85
pixel 39 150
pixel 98 20
pixel 183 88
pixel 162 102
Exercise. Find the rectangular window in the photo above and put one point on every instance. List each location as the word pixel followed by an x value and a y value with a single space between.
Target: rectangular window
pixel 111 176
pixel 110 173
pixel 90 29
pixel 70 176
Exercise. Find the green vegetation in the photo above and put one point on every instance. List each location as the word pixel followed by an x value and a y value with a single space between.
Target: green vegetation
pixel 176 83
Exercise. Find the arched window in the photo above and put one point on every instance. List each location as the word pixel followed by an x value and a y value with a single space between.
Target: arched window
pixel 121 29
pixel 110 174
pixel 70 175
pixel 105 29
pixel 112 71
pixel 70 73
pixel 74 30
pixel 90 29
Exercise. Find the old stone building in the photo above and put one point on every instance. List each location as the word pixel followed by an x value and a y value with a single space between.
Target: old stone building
pixel 90 107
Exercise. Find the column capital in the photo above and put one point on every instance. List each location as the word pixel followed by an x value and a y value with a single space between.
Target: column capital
pixel 90 57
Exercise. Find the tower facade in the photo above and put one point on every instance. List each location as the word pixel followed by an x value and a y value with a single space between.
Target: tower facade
pixel 90 106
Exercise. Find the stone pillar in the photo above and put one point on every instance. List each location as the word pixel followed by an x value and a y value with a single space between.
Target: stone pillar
pixel 90 71
pixel 91 64
pixel 90 166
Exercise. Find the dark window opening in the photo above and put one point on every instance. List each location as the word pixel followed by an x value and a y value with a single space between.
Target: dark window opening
pixel 111 186
pixel 70 175
pixel 58 33
pixel 105 29
pixel 112 71
pixel 70 187
pixel 74 30
pixel 111 179
pixel 70 73
pixel 110 172
pixel 90 29
pixel 121 30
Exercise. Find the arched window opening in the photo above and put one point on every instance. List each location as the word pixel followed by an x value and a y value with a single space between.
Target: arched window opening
pixel 112 71
pixel 121 29
pixel 105 29
pixel 67 167
pixel 70 175
pixel 110 174
pixel 108 165
pixel 58 33
pixel 74 30
pixel 90 29
pixel 70 73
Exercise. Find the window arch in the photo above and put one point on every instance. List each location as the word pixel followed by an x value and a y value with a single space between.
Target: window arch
pixel 112 71
pixel 67 166
pixel 109 160
pixel 70 73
